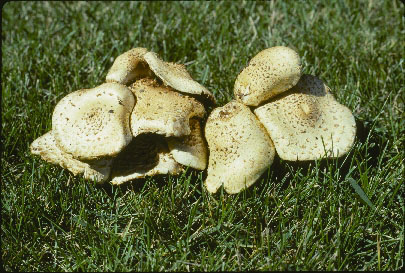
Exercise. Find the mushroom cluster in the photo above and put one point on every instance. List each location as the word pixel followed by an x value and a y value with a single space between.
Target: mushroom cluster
pixel 146 119
pixel 276 109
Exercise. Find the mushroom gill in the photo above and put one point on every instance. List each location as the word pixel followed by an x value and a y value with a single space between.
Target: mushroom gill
pixel 190 150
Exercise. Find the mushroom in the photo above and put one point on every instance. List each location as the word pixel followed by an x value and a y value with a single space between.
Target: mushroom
pixel 240 148
pixel 146 155
pixel 271 72
pixel 161 110
pixel 177 77
pixel 307 123
pixel 94 123
pixel 190 150
pixel 45 146
pixel 129 66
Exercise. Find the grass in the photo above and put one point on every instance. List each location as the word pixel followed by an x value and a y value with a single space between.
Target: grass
pixel 336 214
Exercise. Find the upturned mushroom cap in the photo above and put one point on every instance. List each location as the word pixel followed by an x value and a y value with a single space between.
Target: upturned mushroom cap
pixel 94 123
pixel 161 110
pixel 190 150
pixel 146 155
pixel 270 72
pixel 307 123
pixel 45 146
pixel 129 66
pixel 177 77
pixel 240 148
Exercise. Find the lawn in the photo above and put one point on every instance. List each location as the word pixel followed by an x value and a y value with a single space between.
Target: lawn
pixel 336 214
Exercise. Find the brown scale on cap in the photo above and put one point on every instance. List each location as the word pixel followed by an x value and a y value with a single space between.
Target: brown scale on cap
pixel 45 146
pixel 129 67
pixel 306 121
pixel 271 72
pixel 94 123
pixel 240 148
pixel 161 110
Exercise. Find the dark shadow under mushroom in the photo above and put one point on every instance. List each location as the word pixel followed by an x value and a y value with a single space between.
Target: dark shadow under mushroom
pixel 141 154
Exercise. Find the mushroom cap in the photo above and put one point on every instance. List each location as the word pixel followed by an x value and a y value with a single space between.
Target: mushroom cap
pixel 177 77
pixel 271 72
pixel 94 123
pixel 240 148
pixel 190 150
pixel 307 123
pixel 146 155
pixel 129 66
pixel 161 110
pixel 45 146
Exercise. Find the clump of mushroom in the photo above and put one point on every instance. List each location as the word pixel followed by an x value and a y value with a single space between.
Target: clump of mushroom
pixel 302 121
pixel 148 119
pixel 145 120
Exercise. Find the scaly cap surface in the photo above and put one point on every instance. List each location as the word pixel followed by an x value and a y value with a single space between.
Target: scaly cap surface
pixel 307 123
pixel 94 123
pixel 271 72
pixel 240 148
pixel 161 110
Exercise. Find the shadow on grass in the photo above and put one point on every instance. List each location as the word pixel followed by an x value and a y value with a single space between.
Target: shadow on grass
pixel 279 169
pixel 160 181
pixel 282 170
pixel 135 185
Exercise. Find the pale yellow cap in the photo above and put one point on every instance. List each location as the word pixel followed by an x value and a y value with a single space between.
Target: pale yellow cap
pixel 161 110
pixel 94 123
pixel 271 72
pixel 45 146
pixel 190 150
pixel 307 123
pixel 177 77
pixel 129 67
pixel 239 146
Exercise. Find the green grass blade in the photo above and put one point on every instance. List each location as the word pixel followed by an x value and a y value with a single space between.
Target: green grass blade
pixel 360 192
